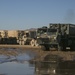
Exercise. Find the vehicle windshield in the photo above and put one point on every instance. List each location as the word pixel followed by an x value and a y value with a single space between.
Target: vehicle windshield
pixel 42 30
pixel 27 34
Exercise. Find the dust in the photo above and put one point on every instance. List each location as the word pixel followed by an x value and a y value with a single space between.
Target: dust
pixel 69 16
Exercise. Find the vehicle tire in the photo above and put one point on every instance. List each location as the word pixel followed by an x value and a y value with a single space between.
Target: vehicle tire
pixel 36 43
pixel 45 48
pixel 32 43
pixel 63 48
pixel 72 48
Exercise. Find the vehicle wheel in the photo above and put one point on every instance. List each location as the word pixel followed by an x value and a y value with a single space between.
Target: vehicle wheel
pixel 36 43
pixel 45 48
pixel 72 48
pixel 61 48
pixel 32 43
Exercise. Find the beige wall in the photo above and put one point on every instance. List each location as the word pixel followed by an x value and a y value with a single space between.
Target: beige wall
pixel 12 33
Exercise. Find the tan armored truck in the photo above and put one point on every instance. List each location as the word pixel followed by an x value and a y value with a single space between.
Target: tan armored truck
pixel 27 37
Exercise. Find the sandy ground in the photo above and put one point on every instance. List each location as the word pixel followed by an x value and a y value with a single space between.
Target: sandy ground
pixel 18 46
pixel 68 55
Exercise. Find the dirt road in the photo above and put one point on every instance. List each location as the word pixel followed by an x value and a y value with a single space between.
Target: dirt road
pixel 6 49
pixel 19 46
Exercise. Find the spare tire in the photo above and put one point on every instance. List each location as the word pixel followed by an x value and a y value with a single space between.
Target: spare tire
pixel 36 43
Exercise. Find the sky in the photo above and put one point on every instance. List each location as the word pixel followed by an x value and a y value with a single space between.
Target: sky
pixel 26 14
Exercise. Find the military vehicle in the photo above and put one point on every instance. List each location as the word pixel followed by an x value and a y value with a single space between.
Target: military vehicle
pixel 32 37
pixel 65 35
pixel 60 36
pixel 42 37
pixel 8 37
pixel 26 37
pixel 21 37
